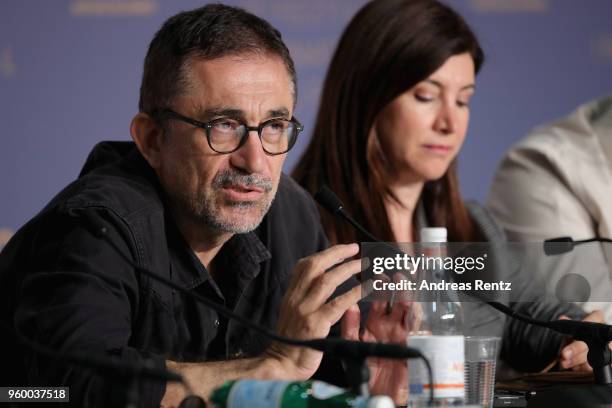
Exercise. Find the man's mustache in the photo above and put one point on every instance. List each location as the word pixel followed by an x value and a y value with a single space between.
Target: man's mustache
pixel 232 177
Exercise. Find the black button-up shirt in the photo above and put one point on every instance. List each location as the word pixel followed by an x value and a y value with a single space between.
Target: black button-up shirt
pixel 67 289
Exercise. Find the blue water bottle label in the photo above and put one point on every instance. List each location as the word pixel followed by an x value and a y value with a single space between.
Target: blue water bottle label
pixel 323 391
pixel 256 394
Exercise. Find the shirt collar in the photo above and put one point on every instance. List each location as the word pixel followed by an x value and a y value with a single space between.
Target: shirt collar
pixel 240 256
pixel 244 253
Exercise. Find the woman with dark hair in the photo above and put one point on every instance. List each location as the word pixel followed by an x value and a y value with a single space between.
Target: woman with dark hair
pixel 388 49
pixel 394 113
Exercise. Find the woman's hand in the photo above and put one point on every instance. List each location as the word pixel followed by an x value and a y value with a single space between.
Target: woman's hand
pixel 387 376
pixel 574 355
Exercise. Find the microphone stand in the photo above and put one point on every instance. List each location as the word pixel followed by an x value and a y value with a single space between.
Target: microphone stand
pixel 599 355
pixel 358 375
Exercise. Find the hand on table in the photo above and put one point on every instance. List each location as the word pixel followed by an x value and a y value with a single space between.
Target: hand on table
pixel 574 355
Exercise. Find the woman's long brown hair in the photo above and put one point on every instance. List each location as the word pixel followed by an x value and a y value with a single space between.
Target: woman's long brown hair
pixel 387 48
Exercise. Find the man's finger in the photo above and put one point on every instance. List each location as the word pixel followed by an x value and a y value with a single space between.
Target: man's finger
pixel 325 285
pixel 309 268
pixel 349 326
pixel 333 310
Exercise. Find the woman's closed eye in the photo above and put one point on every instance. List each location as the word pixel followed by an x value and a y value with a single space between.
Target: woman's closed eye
pixel 463 101
pixel 424 97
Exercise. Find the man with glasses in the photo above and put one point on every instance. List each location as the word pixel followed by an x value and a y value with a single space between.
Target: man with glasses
pixel 199 198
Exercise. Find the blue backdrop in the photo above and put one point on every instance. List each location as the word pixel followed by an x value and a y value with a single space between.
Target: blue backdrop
pixel 70 72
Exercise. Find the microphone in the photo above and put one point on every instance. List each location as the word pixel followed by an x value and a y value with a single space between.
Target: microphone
pixel 579 330
pixel 347 349
pixel 596 335
pixel 561 245
pixel 330 201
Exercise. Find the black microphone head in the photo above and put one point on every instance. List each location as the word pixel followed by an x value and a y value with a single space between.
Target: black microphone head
pixel 328 200
pixel 557 246
pixel 192 401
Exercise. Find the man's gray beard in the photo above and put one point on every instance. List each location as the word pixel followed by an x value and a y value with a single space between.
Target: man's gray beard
pixel 203 210
pixel 211 218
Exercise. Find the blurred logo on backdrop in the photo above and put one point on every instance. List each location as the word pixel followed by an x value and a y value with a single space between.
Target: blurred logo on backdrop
pixel 603 47
pixel 113 7
pixel 7 63
pixel 510 6
pixel 5 235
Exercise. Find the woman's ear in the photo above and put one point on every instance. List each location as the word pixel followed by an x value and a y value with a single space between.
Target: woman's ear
pixel 147 135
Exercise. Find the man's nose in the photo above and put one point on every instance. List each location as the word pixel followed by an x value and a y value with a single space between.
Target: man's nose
pixel 251 157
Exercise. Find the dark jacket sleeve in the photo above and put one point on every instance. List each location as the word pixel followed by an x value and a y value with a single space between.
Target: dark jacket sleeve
pixel 80 296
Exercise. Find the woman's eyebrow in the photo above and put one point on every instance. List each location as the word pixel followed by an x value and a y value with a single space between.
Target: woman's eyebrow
pixel 439 84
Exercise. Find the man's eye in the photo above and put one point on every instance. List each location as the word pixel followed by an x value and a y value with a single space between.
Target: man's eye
pixel 226 125
pixel 277 126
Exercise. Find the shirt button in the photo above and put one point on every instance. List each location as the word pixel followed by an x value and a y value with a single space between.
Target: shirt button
pixel 217 322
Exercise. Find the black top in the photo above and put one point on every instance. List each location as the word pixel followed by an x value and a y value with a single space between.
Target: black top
pixel 51 284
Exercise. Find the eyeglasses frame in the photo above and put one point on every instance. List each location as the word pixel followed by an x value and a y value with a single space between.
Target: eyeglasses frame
pixel 207 126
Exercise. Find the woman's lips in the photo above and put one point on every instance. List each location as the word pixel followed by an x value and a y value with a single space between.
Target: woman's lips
pixel 438 148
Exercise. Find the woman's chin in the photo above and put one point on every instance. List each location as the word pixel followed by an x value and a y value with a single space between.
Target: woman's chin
pixel 422 174
pixel 428 175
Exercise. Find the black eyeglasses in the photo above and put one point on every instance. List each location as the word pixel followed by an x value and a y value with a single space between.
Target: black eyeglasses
pixel 226 135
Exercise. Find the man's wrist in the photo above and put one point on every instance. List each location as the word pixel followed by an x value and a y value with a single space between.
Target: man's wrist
pixel 276 366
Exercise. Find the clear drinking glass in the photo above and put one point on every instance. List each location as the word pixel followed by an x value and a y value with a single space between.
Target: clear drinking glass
pixel 480 357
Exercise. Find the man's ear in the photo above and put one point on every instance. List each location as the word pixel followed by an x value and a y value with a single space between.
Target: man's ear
pixel 148 138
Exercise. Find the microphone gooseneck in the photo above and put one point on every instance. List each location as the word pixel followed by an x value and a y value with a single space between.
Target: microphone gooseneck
pixel 596 335
pixel 346 349
pixel 330 201
pixel 561 245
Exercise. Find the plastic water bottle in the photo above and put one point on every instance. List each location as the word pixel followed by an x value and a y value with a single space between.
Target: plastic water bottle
pixel 286 394
pixel 436 328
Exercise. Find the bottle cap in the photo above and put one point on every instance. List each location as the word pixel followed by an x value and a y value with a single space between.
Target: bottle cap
pixel 380 401
pixel 438 234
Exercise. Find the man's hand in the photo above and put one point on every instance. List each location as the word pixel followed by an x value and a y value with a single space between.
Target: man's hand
pixel 306 313
pixel 387 377
pixel 574 355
